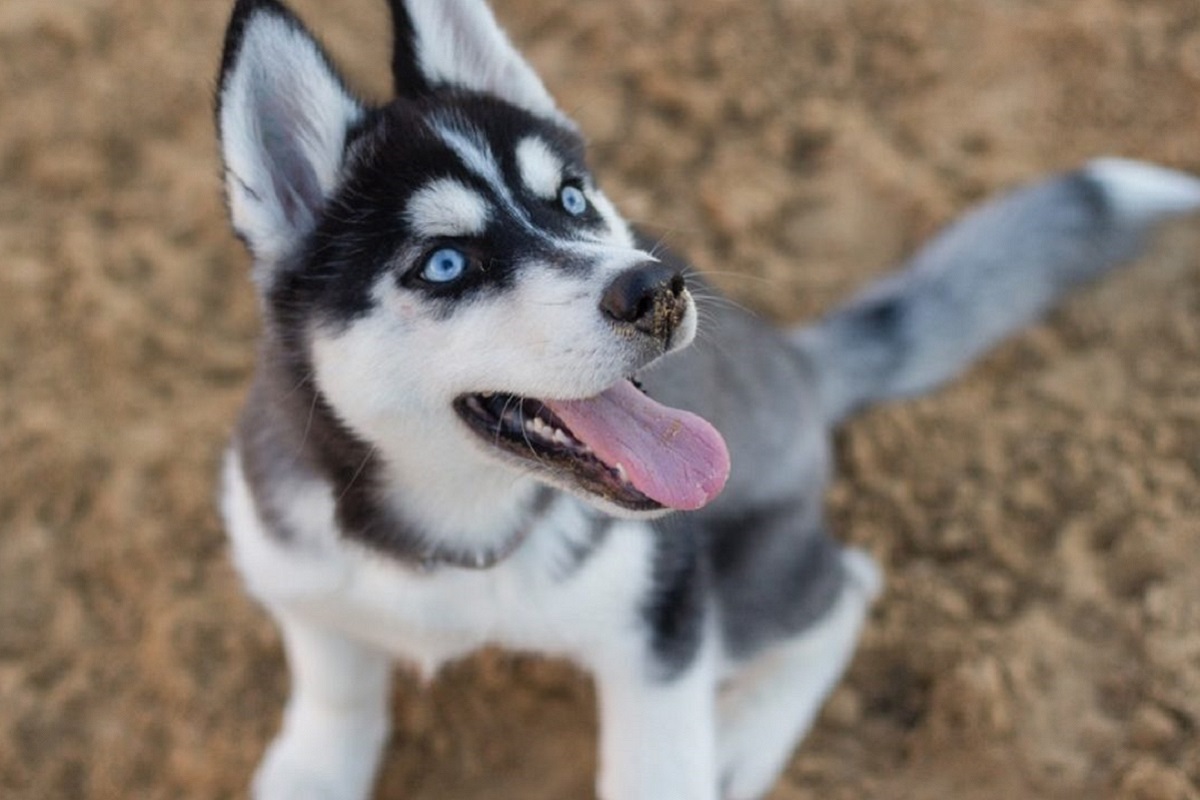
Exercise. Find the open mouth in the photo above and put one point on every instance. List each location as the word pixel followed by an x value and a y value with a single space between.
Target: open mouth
pixel 620 445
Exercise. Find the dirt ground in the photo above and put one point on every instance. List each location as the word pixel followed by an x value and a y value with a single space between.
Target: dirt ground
pixel 1040 520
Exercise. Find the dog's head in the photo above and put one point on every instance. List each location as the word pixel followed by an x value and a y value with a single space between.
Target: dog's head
pixel 448 257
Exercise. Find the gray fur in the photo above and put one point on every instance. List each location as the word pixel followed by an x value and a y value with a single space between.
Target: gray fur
pixel 773 567
pixel 988 274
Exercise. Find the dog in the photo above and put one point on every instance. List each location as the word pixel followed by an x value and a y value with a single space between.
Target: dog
pixel 476 418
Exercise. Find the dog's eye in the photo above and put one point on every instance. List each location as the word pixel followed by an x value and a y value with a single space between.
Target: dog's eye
pixel 444 265
pixel 572 199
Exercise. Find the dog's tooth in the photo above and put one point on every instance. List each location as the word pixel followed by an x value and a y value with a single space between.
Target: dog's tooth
pixel 561 437
pixel 621 473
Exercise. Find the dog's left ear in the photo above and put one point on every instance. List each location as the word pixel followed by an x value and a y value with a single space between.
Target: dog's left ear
pixel 284 115
pixel 458 43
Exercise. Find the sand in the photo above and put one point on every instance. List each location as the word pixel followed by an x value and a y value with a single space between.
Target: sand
pixel 1039 520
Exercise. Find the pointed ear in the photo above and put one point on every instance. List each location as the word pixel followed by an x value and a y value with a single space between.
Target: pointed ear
pixel 458 43
pixel 283 115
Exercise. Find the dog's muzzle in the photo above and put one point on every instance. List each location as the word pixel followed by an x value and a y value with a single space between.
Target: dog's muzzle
pixel 650 298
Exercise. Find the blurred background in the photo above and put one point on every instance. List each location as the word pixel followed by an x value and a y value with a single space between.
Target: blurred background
pixel 1040 520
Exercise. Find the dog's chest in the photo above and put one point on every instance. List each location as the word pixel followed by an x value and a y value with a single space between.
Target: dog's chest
pixel 562 592
pixel 572 585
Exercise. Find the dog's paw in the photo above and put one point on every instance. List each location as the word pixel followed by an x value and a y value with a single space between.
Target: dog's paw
pixel 749 777
pixel 279 781
pixel 290 771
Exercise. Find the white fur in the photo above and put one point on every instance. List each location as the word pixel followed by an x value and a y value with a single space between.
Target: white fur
pixel 619 232
pixel 1142 192
pixel 310 570
pixel 541 170
pixel 419 617
pixel 445 207
pixel 336 722
pixel 657 740
pixel 459 43
pixel 279 86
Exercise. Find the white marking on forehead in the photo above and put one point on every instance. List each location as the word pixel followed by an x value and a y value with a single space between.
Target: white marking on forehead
pixel 540 168
pixel 473 150
pixel 476 155
pixel 446 207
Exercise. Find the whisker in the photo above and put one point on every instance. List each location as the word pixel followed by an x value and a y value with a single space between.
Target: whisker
pixel 357 473
pixel 703 299
pixel 300 383
pixel 500 425
pixel 733 273
pixel 312 411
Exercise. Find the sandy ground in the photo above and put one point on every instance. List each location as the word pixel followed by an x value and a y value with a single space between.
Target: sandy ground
pixel 1040 636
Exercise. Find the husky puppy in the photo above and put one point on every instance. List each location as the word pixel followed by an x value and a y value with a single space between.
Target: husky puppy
pixel 476 418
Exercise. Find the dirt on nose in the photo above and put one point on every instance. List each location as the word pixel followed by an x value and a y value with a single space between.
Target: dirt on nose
pixel 669 308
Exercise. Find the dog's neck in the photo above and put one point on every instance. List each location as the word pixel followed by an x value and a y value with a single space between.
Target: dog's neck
pixel 459 500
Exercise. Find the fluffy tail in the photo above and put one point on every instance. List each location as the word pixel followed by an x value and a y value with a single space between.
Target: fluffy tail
pixel 993 271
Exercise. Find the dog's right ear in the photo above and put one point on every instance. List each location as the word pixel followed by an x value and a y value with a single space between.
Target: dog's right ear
pixel 458 43
pixel 283 115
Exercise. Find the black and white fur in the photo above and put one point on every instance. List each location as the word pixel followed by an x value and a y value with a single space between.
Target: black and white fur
pixel 374 526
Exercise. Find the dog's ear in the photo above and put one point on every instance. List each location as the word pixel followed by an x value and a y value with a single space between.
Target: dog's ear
pixel 458 43
pixel 283 115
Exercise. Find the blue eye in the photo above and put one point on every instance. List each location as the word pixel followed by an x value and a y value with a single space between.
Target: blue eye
pixel 444 265
pixel 572 199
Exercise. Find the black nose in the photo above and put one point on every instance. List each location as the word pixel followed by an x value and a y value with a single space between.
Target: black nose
pixel 648 296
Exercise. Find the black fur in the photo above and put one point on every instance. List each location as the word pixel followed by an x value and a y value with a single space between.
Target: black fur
pixel 675 608
pixel 407 77
pixel 776 572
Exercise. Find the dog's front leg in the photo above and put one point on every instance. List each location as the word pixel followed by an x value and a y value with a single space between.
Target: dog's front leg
pixel 657 735
pixel 336 721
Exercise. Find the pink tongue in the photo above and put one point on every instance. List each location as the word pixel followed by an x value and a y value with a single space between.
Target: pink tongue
pixel 673 457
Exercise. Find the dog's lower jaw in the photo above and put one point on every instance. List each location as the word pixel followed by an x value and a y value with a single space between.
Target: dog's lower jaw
pixel 612 509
